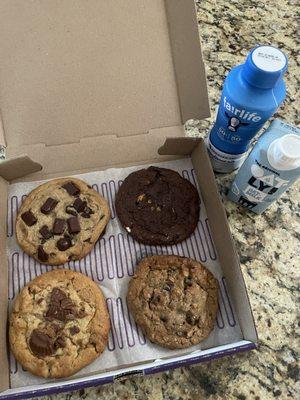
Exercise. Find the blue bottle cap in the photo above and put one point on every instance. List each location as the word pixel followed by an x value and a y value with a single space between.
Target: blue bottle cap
pixel 264 66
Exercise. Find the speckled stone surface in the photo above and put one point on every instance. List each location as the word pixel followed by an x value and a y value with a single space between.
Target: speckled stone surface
pixel 268 244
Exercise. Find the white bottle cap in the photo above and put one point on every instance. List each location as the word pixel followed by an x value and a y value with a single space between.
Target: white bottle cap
pixel 284 153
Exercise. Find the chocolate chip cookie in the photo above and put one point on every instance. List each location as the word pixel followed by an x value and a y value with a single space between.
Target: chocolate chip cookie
pixel 61 220
pixel 157 206
pixel 59 324
pixel 174 300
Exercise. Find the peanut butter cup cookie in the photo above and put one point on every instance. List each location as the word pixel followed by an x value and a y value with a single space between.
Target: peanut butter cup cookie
pixel 61 220
pixel 174 300
pixel 59 324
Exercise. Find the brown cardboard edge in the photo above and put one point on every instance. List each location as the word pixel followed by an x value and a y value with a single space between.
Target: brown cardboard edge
pixel 4 372
pixel 18 167
pixel 189 70
pixel 2 133
pixel 223 240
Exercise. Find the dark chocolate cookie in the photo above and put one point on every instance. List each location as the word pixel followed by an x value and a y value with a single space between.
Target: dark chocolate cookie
pixel 61 220
pixel 59 324
pixel 174 300
pixel 157 206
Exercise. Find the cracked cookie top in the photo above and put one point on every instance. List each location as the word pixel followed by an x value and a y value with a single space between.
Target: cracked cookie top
pixel 174 300
pixel 59 324
pixel 61 220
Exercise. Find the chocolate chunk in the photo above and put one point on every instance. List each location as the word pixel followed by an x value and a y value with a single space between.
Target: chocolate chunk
pixel 59 226
pixel 73 330
pixel 70 210
pixel 57 295
pixel 49 205
pixel 64 243
pixel 85 215
pixel 29 218
pixel 73 225
pixel 59 342
pixel 61 307
pixel 79 205
pixel 45 232
pixel 71 188
pixel 81 314
pixel 40 344
pixel 42 255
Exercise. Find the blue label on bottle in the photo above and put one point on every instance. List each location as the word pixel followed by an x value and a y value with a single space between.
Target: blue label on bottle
pixel 236 125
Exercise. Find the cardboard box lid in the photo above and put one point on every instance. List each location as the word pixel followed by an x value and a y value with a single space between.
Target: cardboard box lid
pixel 79 69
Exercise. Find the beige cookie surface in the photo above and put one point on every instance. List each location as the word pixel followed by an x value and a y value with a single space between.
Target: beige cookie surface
pixel 59 324
pixel 174 300
pixel 61 220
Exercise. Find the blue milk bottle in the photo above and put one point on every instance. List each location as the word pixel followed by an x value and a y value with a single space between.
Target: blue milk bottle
pixel 252 92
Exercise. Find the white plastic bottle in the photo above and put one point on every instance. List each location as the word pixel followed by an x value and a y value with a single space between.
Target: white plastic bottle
pixel 270 169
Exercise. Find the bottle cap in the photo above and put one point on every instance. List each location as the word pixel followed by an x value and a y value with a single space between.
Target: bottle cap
pixel 284 153
pixel 264 66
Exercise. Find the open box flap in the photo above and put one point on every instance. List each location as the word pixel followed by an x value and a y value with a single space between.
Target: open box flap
pixel 74 70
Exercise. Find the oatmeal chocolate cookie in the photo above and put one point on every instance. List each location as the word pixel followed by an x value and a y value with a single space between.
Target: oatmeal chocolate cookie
pixel 157 206
pixel 174 300
pixel 61 220
pixel 59 324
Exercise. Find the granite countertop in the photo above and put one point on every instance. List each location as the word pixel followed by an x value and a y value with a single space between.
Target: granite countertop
pixel 268 244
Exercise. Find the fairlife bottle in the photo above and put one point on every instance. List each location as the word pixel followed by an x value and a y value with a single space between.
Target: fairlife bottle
pixel 270 169
pixel 252 92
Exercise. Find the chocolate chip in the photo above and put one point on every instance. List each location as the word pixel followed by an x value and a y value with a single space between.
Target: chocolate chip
pixel 71 188
pixel 40 301
pixel 73 330
pixel 64 244
pixel 49 205
pixel 42 255
pixel 29 218
pixel 56 328
pixel 40 344
pixel 187 282
pixel 168 286
pixel 191 319
pixel 59 342
pixel 45 232
pixel 58 226
pixel 79 205
pixel 73 225
pixel 70 210
pixel 86 215
pixel 155 299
